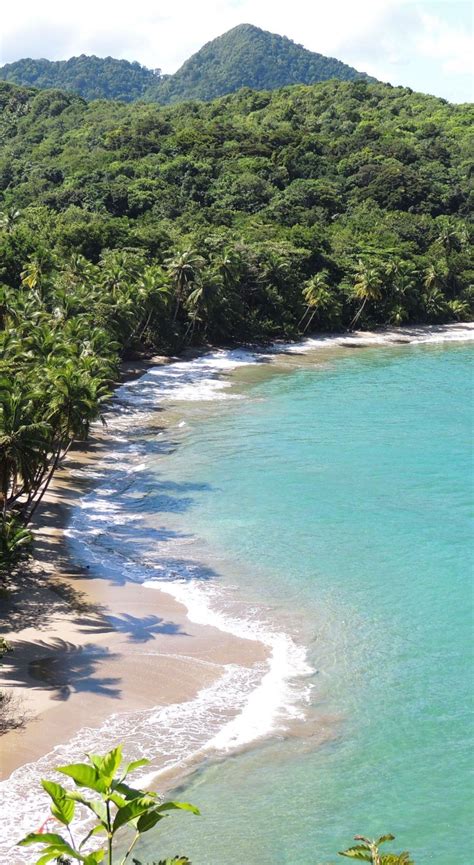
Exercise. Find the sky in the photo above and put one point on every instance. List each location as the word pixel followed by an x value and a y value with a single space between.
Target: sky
pixel 426 45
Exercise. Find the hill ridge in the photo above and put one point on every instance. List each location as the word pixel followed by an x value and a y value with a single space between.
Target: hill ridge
pixel 244 56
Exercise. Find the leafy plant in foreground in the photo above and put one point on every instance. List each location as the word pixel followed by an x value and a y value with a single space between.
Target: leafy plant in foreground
pixel 178 860
pixel 368 851
pixel 116 806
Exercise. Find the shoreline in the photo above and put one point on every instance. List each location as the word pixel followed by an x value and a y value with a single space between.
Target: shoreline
pixel 93 648
pixel 90 639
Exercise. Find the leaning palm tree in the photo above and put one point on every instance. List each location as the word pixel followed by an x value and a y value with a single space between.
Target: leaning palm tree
pixel 201 299
pixel 183 270
pixel 367 287
pixel 319 299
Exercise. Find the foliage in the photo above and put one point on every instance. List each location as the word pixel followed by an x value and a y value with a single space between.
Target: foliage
pixel 90 77
pixel 247 56
pixel 368 851
pixel 5 648
pixel 15 546
pixel 130 228
pixel 178 860
pixel 113 806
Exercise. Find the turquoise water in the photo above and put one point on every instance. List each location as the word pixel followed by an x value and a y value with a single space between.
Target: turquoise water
pixel 338 495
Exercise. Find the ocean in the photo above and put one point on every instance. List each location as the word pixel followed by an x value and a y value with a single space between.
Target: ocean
pixel 318 499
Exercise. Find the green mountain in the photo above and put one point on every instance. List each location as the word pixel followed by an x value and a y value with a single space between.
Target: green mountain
pixel 244 57
pixel 259 214
pixel 90 77
pixel 247 56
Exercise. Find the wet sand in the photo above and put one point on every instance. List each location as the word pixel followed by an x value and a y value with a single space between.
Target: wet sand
pixel 86 647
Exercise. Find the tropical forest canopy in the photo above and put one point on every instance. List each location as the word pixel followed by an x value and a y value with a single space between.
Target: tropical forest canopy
pixel 256 216
pixel 90 77
pixel 245 56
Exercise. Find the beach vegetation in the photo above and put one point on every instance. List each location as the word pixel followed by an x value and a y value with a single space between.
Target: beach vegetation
pixel 368 850
pixel 102 791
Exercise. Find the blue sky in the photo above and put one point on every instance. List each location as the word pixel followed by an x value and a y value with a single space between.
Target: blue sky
pixel 425 45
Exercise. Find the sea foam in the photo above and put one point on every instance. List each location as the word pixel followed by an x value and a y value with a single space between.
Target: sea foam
pixel 260 700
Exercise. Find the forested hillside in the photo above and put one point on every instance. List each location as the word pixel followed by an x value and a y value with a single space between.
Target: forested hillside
pixel 247 56
pixel 260 215
pixel 90 77
pixel 348 184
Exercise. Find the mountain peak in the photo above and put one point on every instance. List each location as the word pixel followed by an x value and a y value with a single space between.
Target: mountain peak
pixel 247 56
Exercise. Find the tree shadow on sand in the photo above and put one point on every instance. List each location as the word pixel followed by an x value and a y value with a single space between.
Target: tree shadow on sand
pixel 139 630
pixel 62 667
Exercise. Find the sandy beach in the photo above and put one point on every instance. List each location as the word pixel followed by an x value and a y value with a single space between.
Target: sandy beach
pixel 87 647
pixel 78 640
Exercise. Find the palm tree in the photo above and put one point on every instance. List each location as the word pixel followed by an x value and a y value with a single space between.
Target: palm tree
pixel 435 275
pixel 367 286
pixel 201 299
pixel 73 399
pixel 319 299
pixel 183 270
pixel 24 444
pixel 460 309
pixel 227 264
pixel 398 314
pixel 152 293
pixel 9 219
pixel 404 279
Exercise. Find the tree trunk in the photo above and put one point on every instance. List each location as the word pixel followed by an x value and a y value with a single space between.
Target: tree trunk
pixel 358 314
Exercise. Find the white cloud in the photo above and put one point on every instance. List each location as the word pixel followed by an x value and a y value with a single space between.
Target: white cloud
pixel 377 36
pixel 451 46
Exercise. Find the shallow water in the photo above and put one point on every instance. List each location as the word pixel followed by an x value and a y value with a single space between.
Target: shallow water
pixel 340 495
pixel 320 503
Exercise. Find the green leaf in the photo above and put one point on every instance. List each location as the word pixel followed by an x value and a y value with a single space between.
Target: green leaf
pixel 46 858
pixel 64 812
pixel 62 807
pixel 132 809
pixel 110 764
pixel 182 806
pixel 96 761
pixel 119 801
pixel 41 838
pixel 55 791
pixel 95 831
pixel 383 839
pixel 361 853
pixel 99 810
pixel 130 792
pixel 63 847
pixel 93 858
pixel 136 764
pixel 147 821
pixel 83 776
